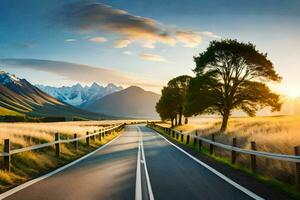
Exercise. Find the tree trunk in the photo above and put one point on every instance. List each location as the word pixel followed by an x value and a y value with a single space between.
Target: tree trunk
pixel 225 121
pixel 180 117
pixel 186 121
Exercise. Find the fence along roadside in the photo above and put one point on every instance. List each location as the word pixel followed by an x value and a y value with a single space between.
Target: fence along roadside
pixel 7 152
pixel 253 152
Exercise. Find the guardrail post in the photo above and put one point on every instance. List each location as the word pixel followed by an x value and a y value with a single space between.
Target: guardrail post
pixel 182 137
pixel 297 172
pixel 57 146
pixel 173 134
pixel 87 139
pixel 233 153
pixel 253 157
pixel 187 139
pixel 6 159
pixel 211 146
pixel 76 141
pixel 196 133
pixel 177 136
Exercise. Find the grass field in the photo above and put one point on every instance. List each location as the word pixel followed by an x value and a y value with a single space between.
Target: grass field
pixel 27 165
pixel 278 134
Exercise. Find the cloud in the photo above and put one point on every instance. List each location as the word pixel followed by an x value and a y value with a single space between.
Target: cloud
pixel 96 17
pixel 70 40
pixel 127 53
pixel 210 34
pixel 24 45
pixel 76 72
pixel 153 57
pixel 189 38
pixel 122 43
pixel 98 39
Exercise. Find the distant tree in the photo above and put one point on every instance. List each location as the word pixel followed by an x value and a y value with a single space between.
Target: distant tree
pixel 231 75
pixel 167 104
pixel 180 84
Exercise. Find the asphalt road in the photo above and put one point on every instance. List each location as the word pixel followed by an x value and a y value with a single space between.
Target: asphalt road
pixel 140 164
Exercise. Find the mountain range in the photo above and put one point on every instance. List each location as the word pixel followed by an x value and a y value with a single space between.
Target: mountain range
pixel 80 96
pixel 19 97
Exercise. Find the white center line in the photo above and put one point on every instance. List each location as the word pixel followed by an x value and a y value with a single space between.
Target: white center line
pixel 150 192
pixel 138 181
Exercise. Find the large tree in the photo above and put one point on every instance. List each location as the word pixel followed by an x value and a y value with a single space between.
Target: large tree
pixel 180 85
pixel 231 75
pixel 167 104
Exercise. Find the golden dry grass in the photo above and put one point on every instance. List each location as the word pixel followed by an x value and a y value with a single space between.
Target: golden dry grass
pixel 278 134
pixel 32 163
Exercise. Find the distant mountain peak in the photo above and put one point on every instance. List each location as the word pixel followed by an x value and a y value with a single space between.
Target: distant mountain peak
pixel 77 95
pixel 132 102
pixel 6 78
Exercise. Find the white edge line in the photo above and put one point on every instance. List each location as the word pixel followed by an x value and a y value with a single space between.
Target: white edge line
pixel 151 196
pixel 228 180
pixel 33 181
pixel 138 180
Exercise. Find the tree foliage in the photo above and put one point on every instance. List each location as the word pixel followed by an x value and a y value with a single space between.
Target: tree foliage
pixel 180 85
pixel 231 75
pixel 167 104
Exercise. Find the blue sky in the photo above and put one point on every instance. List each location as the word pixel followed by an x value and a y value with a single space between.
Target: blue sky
pixel 138 42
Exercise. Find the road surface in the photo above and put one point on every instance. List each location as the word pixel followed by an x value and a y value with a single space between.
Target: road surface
pixel 140 164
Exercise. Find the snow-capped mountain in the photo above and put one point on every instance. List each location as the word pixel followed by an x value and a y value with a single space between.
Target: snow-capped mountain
pixel 77 95
pixel 18 97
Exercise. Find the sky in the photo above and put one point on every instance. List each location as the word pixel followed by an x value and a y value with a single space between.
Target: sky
pixel 144 43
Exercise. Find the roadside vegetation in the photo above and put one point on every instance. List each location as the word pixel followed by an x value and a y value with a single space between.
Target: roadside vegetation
pixel 28 165
pixel 271 134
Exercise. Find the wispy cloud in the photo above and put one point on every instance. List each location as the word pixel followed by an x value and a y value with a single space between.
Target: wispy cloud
pixel 98 39
pixel 70 40
pixel 96 17
pixel 210 34
pixel 127 53
pixel 121 43
pixel 189 38
pixel 153 57
pixel 76 72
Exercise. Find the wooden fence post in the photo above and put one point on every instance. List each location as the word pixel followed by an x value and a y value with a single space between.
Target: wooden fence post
pixel 57 146
pixel 200 144
pixel 177 136
pixel 87 139
pixel 100 135
pixel 297 172
pixel 253 157
pixel 196 133
pixel 76 141
pixel 195 142
pixel 6 159
pixel 233 153
pixel 187 139
pixel 182 137
pixel 211 146
pixel 173 134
